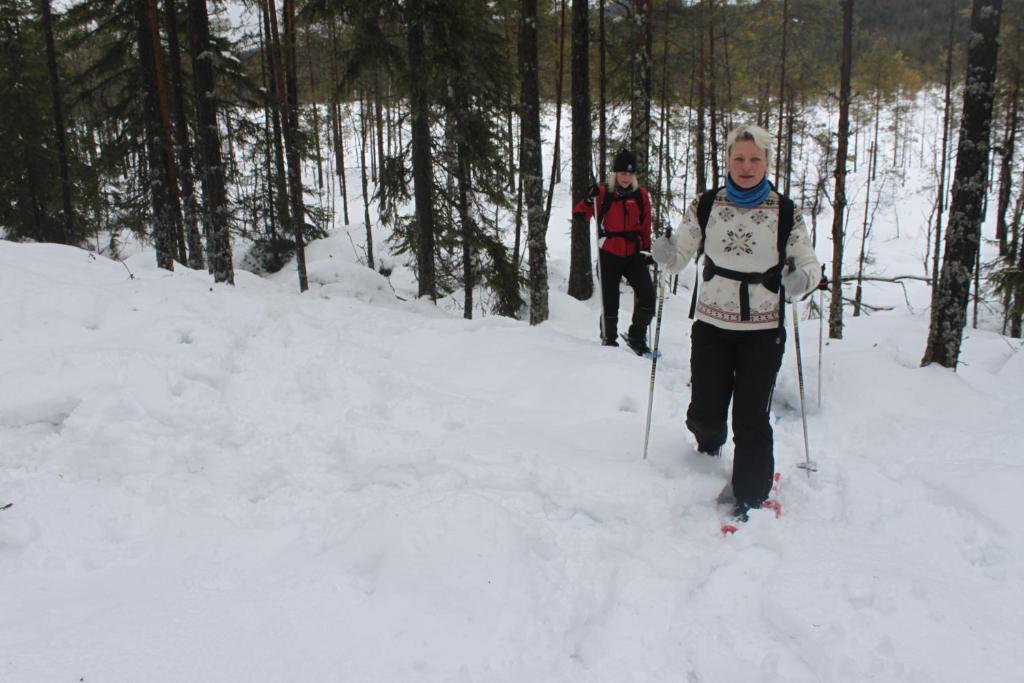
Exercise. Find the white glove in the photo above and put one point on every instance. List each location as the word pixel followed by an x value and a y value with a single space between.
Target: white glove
pixel 664 251
pixel 796 281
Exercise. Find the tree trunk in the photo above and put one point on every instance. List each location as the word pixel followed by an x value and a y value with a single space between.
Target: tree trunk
pixel 182 143
pixel 835 318
pixel 947 113
pixel 1018 251
pixel 640 110
pixel 423 177
pixel 662 193
pixel 602 138
pixel 314 100
pixel 556 155
pixel 790 123
pixel 363 134
pixel 782 88
pixel 158 145
pixel 517 250
pixel 712 96
pixel 378 119
pixel 532 170
pixel 701 160
pixel 276 105
pixel 866 225
pixel 581 278
pixel 69 236
pixel 167 140
pixel 338 127
pixel 291 142
pixel 966 210
pixel 468 228
pixel 268 136
pixel 1006 167
pixel 215 199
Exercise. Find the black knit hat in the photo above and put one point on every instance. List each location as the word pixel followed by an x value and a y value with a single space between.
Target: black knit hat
pixel 624 161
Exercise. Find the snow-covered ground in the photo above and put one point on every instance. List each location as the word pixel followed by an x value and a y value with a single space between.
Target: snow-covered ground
pixel 215 483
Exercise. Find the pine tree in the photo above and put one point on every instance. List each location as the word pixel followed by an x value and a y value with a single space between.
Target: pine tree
pixel 640 101
pixel 160 150
pixel 292 142
pixel 422 173
pixel 182 142
pixel 835 322
pixel 29 204
pixel 218 233
pixel 59 125
pixel 581 279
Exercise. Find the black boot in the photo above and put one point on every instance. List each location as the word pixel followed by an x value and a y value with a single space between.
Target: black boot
pixel 714 452
pixel 742 507
pixel 637 339
pixel 610 331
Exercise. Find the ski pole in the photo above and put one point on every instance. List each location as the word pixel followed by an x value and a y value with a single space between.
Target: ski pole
pixel 821 336
pixel 600 281
pixel 807 464
pixel 654 356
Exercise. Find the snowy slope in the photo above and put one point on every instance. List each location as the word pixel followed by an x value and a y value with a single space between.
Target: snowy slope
pixel 247 484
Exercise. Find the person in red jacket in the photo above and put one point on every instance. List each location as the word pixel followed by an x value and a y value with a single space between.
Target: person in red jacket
pixel 623 210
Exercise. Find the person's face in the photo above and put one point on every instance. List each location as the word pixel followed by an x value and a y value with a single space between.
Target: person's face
pixel 747 164
pixel 624 178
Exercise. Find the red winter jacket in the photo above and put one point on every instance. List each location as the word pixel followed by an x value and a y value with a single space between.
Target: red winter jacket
pixel 624 226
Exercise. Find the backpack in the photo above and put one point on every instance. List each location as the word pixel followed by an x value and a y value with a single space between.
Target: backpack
pixel 770 278
pixel 606 205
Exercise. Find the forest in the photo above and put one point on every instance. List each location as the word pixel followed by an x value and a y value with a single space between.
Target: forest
pixel 233 134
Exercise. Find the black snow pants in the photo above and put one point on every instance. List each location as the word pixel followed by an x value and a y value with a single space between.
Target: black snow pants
pixel 740 366
pixel 634 269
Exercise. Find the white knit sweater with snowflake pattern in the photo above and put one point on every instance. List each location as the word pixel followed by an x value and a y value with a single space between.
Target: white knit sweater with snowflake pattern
pixel 744 240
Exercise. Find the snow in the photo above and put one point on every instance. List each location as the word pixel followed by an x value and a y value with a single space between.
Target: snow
pixel 215 483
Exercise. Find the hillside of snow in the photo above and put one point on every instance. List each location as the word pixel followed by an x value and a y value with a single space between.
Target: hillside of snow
pixel 201 482
pixel 247 484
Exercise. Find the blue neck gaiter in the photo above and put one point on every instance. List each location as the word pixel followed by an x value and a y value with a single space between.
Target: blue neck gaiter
pixel 748 198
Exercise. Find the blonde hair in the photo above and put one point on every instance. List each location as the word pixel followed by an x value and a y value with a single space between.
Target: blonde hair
pixel 756 134
pixel 613 181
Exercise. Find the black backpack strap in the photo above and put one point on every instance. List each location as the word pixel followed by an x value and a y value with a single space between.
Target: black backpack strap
pixel 704 206
pixel 642 205
pixel 606 205
pixel 787 216
pixel 787 212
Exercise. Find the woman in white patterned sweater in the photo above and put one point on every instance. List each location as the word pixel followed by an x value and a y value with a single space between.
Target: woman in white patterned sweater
pixel 738 338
